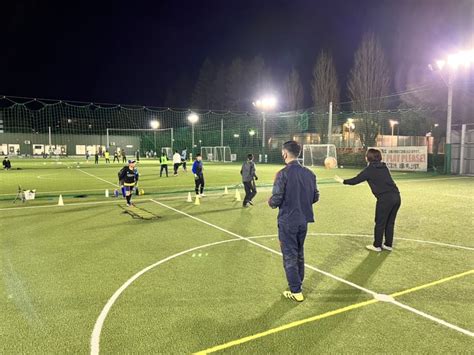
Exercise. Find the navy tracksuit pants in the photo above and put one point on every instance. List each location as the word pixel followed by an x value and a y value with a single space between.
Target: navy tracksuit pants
pixel 292 239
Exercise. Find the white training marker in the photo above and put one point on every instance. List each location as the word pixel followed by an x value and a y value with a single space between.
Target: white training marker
pixel 383 298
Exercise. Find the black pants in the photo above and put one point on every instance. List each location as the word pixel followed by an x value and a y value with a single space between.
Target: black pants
pixel 183 162
pixel 176 166
pixel 250 191
pixel 385 215
pixel 116 158
pixel 199 181
pixel 165 168
pixel 292 239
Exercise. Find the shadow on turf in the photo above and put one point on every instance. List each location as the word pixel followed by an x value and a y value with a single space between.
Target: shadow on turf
pixel 346 294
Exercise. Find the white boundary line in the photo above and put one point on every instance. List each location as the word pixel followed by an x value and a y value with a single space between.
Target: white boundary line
pixel 95 337
pixel 371 236
pixel 432 318
pixel 98 178
pixel 264 247
pixel 96 333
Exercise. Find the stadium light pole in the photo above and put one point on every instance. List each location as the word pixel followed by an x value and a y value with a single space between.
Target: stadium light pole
pixel 265 104
pixel 453 62
pixel 193 118
pixel 393 123
pixel 154 124
pixel 350 125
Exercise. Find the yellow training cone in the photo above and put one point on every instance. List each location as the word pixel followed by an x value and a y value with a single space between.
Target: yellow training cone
pixel 226 191
pixel 237 195
pixel 190 199
pixel 60 202
pixel 196 201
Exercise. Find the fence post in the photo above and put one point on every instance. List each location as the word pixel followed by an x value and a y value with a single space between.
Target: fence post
pixel 461 150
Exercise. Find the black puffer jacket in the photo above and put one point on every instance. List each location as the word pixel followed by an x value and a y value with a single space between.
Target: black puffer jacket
pixel 379 179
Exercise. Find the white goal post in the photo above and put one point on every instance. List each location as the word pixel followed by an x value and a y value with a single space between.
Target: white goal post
pixel 150 130
pixel 217 154
pixel 314 154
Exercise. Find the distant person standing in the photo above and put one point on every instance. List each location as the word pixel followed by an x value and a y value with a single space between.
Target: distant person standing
pixel 87 155
pixel 198 176
pixel 176 162
pixel 388 198
pixel 164 164
pixel 294 193
pixel 96 157
pixel 184 156
pixel 7 165
pixel 137 154
pixel 116 157
pixel 124 157
pixel 249 176
pixel 107 157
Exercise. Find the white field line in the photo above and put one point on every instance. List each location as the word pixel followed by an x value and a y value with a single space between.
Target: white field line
pixel 432 318
pixel 65 205
pixel 374 294
pixel 95 337
pixel 98 178
pixel 264 247
pixel 371 236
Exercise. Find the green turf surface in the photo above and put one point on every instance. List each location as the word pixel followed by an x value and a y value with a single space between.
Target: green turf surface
pixel 60 265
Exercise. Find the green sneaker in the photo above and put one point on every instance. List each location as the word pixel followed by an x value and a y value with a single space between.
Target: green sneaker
pixel 298 297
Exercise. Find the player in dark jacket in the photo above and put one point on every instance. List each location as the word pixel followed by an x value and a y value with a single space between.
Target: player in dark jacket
pixel 128 179
pixel 388 198
pixel 248 178
pixel 294 193
pixel 198 176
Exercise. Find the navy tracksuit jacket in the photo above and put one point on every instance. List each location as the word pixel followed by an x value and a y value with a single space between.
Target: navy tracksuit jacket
pixel 294 192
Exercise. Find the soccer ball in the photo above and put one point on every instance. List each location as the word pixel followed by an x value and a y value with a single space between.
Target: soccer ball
pixel 141 192
pixel 330 163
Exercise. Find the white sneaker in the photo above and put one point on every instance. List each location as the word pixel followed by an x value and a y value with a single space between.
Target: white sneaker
pixel 386 247
pixel 202 195
pixel 372 248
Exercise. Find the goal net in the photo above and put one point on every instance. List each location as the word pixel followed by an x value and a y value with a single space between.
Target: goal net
pixel 216 154
pixel 314 154
pixel 168 151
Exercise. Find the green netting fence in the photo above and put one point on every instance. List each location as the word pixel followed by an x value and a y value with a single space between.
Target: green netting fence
pixel 42 128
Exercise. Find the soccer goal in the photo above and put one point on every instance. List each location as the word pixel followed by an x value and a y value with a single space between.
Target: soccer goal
pixel 314 154
pixel 168 151
pixel 132 140
pixel 216 154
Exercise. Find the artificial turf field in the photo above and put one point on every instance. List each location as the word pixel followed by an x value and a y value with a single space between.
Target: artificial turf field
pixel 88 277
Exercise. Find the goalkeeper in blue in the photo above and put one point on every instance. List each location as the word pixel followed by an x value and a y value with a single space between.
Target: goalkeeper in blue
pixel 198 176
pixel 128 180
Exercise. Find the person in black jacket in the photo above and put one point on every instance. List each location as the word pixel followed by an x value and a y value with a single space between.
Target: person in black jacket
pixel 128 179
pixel 294 193
pixel 388 198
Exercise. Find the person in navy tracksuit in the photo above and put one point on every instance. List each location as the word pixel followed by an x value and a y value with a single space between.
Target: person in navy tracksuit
pixel 388 198
pixel 294 193
pixel 198 176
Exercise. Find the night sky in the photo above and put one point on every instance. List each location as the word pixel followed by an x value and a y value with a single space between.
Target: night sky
pixel 134 51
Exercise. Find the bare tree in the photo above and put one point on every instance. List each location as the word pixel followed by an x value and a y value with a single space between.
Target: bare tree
pixel 234 85
pixel 201 97
pixel 294 90
pixel 368 85
pixel 325 90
